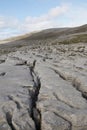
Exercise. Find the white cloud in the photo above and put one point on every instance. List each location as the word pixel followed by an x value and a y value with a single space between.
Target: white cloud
pixel 6 33
pixel 8 27
pixel 11 26
pixel 77 15
pixel 45 20
pixel 55 12
pixel 60 16
pixel 8 22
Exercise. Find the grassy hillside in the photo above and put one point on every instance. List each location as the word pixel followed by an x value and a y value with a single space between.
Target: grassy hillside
pixel 75 39
pixel 53 36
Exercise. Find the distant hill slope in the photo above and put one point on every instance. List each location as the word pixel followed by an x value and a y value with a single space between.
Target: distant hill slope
pixel 57 32
pixel 53 36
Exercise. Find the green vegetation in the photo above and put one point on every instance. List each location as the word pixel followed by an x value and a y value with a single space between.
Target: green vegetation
pixel 45 38
pixel 76 39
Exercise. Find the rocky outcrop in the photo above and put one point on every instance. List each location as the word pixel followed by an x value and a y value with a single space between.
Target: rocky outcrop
pixel 19 89
pixel 44 88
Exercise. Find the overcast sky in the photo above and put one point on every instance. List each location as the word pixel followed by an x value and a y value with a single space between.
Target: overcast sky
pixel 23 16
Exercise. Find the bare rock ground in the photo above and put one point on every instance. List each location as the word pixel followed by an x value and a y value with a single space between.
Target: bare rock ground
pixel 44 88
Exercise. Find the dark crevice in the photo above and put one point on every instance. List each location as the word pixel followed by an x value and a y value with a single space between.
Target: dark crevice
pixel 35 113
pixel 37 118
pixel 18 105
pixel 60 74
pixel 21 63
pixel 2 74
pixel 70 128
pixel 16 102
pixel 84 95
pixel 9 120
pixel 55 95
pixel 2 61
pixel 75 85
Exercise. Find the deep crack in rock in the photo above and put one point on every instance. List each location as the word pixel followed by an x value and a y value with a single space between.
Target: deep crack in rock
pixel 2 74
pixel 9 120
pixel 36 115
pixel 75 83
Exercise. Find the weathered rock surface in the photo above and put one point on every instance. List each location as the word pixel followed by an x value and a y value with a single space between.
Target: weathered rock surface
pixel 44 88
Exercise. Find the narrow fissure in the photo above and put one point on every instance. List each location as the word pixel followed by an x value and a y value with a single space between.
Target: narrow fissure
pixel 9 121
pixel 70 128
pixel 2 74
pixel 61 100
pixel 35 113
pixel 16 102
pixel 84 94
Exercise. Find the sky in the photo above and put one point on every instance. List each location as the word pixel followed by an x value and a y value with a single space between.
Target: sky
pixel 18 17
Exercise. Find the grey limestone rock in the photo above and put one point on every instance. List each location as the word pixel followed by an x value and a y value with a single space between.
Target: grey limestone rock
pixel 44 88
